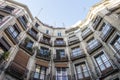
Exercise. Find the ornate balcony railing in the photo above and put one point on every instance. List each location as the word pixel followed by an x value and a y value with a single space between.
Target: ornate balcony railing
pixel 80 54
pixel 22 22
pixel 17 71
pixel 91 48
pixel 106 36
pixel 108 71
pixel 45 41
pixel 64 77
pixel 86 33
pixel 46 77
pixel 59 43
pixel 45 55
pixel 32 34
pixel 28 50
pixel 14 40
pixel 75 41
pixel 60 58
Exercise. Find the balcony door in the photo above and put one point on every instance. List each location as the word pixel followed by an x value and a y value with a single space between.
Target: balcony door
pixel 61 74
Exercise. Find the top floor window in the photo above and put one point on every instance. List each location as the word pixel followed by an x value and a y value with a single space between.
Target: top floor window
pixel 9 8
pixel 36 25
pixel 47 31
pixel 1 17
pixel 86 31
pixel 59 34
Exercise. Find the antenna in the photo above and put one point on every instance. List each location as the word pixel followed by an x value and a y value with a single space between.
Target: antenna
pixel 39 12
pixel 63 24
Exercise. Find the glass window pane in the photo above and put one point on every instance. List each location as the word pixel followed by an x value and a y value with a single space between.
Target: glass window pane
pixel 107 64
pixel 11 29
pixel 86 74
pixel 104 58
pixel 36 75
pixel 42 77
pixel 80 76
pixel 102 67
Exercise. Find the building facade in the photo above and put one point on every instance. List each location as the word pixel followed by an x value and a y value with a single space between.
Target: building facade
pixel 32 50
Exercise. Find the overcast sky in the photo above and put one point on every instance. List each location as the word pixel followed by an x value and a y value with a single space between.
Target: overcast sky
pixel 59 12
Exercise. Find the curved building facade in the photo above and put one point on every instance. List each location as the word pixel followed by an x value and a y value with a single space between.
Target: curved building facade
pixel 32 50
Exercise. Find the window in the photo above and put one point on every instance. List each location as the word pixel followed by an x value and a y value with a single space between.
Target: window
pixel 61 74
pixel 92 43
pixel 40 72
pixel 76 51
pixel 9 8
pixel 47 31
pixel 60 53
pixel 29 44
pixel 116 43
pixel 102 61
pixel 59 33
pixel 23 21
pixel 1 17
pixel 36 25
pixel 33 32
pixel 82 71
pixel 105 28
pixel 59 41
pixel 14 31
pixel 4 44
pixel 44 51
pixel 86 31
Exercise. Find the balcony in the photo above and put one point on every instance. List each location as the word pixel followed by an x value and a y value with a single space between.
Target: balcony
pixel 4 20
pixel 45 55
pixel 93 46
pixel 22 22
pixel 14 40
pixel 77 56
pixel 60 58
pixel 86 33
pixel 108 71
pixel 17 71
pixel 29 50
pixel 32 77
pixel 6 9
pixel 105 36
pixel 74 41
pixel 97 22
pixel 59 44
pixel 65 77
pixel 33 34
pixel 117 55
pixel 45 41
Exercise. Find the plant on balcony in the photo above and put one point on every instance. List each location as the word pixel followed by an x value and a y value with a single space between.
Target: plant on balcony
pixel 4 56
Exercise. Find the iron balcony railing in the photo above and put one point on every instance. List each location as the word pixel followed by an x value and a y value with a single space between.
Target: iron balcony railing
pixel 33 34
pixel 45 41
pixel 10 35
pixel 74 41
pixel 78 55
pixel 108 70
pixel 64 77
pixel 58 58
pixel 29 50
pixel 108 33
pixel 46 55
pixel 59 43
pixel 34 77
pixel 94 46
pixel 97 22
pixel 86 33
pixel 22 22
pixel 17 71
